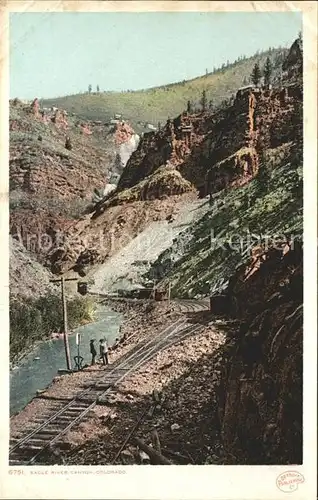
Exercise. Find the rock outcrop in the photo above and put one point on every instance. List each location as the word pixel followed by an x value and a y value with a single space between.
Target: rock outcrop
pixel 208 151
pixel 126 140
pixel 293 64
pixel 92 240
pixel 45 168
pixel 27 277
pixel 214 150
pixel 54 169
pixel 260 398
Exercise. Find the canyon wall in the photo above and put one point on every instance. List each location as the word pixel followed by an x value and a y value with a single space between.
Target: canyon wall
pixel 260 397
pixel 214 150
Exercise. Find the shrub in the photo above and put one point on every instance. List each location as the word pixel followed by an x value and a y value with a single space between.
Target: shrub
pixel 35 319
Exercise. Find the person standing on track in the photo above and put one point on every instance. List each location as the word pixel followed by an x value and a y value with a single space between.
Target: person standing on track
pixel 93 351
pixel 104 351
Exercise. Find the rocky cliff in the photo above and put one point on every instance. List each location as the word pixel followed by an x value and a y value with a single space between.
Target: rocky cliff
pixel 213 150
pixel 40 163
pixel 27 277
pixel 57 164
pixel 260 397
pixel 204 152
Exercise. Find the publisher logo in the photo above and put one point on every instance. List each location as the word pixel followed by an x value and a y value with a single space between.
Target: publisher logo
pixel 288 481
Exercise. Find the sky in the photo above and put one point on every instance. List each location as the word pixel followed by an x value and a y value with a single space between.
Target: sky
pixel 55 54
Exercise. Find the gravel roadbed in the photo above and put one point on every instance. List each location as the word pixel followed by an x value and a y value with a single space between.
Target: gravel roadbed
pixel 185 375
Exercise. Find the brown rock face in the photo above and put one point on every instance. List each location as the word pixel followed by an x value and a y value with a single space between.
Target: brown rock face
pixel 38 231
pixel 52 183
pixel 60 120
pixel 123 133
pixel 27 277
pixel 35 108
pixel 221 149
pixel 260 398
pixel 45 168
pixel 42 172
pixel 209 151
pixel 293 64
pixel 93 239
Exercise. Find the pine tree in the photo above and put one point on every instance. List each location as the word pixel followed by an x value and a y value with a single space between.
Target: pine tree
pixel 256 75
pixel 189 107
pixel 97 88
pixel 203 100
pixel 89 88
pixel 268 68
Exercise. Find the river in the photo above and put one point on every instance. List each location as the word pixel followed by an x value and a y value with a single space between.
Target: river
pixel 32 374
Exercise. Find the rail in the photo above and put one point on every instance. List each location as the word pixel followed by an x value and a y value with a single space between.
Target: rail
pixel 27 449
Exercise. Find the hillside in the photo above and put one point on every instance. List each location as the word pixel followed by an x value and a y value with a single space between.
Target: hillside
pixel 200 152
pixel 41 166
pixel 25 270
pixel 157 104
pixel 59 167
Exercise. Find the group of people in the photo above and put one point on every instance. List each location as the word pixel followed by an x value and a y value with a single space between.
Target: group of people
pixel 103 350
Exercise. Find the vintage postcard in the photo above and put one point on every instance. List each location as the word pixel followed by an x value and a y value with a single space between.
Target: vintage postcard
pixel 158 197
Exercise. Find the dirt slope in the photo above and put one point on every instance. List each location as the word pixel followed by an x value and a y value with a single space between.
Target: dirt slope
pixel 28 278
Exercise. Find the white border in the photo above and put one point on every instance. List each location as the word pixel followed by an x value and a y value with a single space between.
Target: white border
pixel 175 482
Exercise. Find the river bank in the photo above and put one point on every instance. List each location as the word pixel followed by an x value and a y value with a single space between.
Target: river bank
pixel 136 317
pixel 187 373
pixel 33 320
pixel 40 366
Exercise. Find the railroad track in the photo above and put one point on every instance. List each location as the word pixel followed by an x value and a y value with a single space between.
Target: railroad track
pixel 60 418
pixel 186 305
pixel 192 305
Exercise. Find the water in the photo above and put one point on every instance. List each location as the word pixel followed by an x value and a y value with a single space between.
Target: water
pixel 31 374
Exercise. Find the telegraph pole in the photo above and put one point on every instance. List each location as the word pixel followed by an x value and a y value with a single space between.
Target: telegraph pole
pixel 66 344
pixel 65 328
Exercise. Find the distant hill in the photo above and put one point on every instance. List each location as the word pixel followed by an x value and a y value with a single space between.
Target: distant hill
pixel 157 104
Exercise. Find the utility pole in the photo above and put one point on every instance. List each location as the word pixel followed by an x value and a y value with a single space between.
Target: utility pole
pixel 66 344
pixel 63 296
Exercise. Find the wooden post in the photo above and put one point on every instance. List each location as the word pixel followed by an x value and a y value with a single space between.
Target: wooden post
pixel 66 344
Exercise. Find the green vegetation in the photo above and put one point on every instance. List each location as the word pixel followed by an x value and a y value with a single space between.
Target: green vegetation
pixel 256 74
pixel 268 69
pixel 269 207
pixel 204 100
pixel 32 320
pixel 156 104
